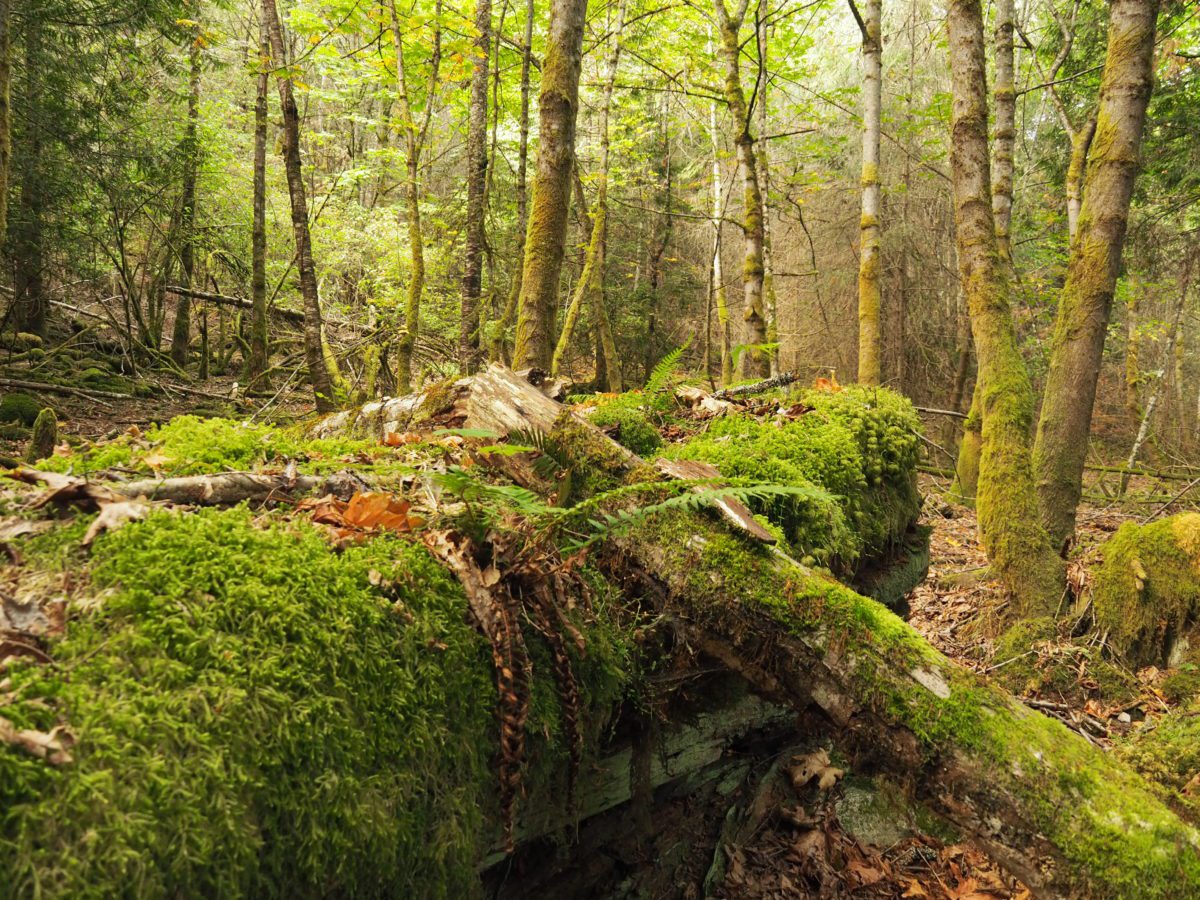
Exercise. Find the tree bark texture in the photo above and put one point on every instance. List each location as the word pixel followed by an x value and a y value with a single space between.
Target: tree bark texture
pixel 870 262
pixel 181 336
pixel 1016 543
pixel 5 114
pixel 545 236
pixel 318 373
pixel 477 121
pixel 258 358
pixel 1095 262
pixel 31 306
pixel 754 362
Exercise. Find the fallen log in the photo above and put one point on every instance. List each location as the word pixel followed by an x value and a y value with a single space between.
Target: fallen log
pixel 291 315
pixel 1055 811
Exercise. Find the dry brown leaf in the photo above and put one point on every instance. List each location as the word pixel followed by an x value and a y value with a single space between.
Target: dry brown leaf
pixel 914 890
pixel 377 509
pixel 52 746
pixel 398 439
pixel 156 460
pixel 863 872
pixel 814 765
pixel 116 515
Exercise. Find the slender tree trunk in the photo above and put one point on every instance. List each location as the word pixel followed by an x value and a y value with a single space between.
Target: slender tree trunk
pixel 258 359
pixel 1086 303
pixel 591 281
pixel 5 114
pixel 720 301
pixel 1005 130
pixel 414 136
pixel 870 263
pixel 754 361
pixel 1081 143
pixel 497 353
pixel 1016 543
pixel 181 338
pixel 764 180
pixel 1133 407
pixel 30 305
pixel 317 371
pixel 545 238
pixel 468 337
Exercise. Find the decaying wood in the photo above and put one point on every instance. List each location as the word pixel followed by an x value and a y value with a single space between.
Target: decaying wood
pixel 1049 807
pixel 733 510
pixel 63 389
pixel 759 387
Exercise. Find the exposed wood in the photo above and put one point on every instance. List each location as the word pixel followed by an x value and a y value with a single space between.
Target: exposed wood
pixel 62 389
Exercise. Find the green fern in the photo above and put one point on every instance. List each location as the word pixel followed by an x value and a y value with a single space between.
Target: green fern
pixel 661 374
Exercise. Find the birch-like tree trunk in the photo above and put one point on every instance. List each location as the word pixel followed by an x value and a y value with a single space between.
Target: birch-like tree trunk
pixel 870 263
pixel 770 304
pixel 1086 303
pixel 720 300
pixel 1016 543
pixel 468 336
pixel 5 113
pixel 754 362
pixel 545 238
pixel 318 373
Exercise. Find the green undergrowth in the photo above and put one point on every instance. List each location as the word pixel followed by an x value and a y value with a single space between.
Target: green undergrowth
pixel 190 445
pixel 1147 590
pixel 1031 657
pixel 258 715
pixel 633 418
pixel 1167 752
pixel 859 445
pixel 1105 820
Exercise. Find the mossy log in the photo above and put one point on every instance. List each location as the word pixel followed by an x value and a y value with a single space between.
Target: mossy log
pixel 1055 811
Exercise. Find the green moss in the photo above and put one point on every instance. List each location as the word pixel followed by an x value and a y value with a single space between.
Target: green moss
pixel 255 718
pixel 44 437
pixel 632 429
pixel 1147 590
pixel 1182 685
pixel 17 407
pixel 1167 751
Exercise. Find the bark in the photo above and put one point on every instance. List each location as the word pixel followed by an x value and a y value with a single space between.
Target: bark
pixel 415 135
pixel 1016 543
pixel 591 281
pixel 1005 93
pixel 717 276
pixel 477 165
pixel 5 114
pixel 764 179
pixel 870 264
pixel 1057 812
pixel 545 237
pixel 754 362
pixel 258 357
pixel 322 384
pixel 500 327
pixel 1133 377
pixel 1081 143
pixel 1086 303
pixel 181 336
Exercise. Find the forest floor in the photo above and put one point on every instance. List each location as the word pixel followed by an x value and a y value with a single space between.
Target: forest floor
pixel 822 847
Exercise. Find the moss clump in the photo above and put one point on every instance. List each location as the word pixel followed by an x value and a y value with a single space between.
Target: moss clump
pixel 17 407
pixel 255 718
pixel 1147 591
pixel 44 437
pixel 630 428
pixel 858 444
pixel 1182 685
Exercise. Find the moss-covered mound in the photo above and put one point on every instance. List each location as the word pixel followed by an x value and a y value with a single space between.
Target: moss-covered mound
pixel 1147 591
pixel 19 408
pixel 859 445
pixel 1168 753
pixel 257 715
pixel 190 445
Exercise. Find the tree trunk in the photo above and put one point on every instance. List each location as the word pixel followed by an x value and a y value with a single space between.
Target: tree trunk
pixel 545 238
pixel 1016 543
pixel 322 384
pixel 1086 304
pixel 754 362
pixel 497 351
pixel 718 277
pixel 1006 129
pixel 870 264
pixel 5 114
pixel 31 306
pixel 468 337
pixel 591 281
pixel 764 180
pixel 1081 143
pixel 258 359
pixel 181 337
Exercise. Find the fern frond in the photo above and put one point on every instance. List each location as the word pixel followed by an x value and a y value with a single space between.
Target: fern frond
pixel 661 374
